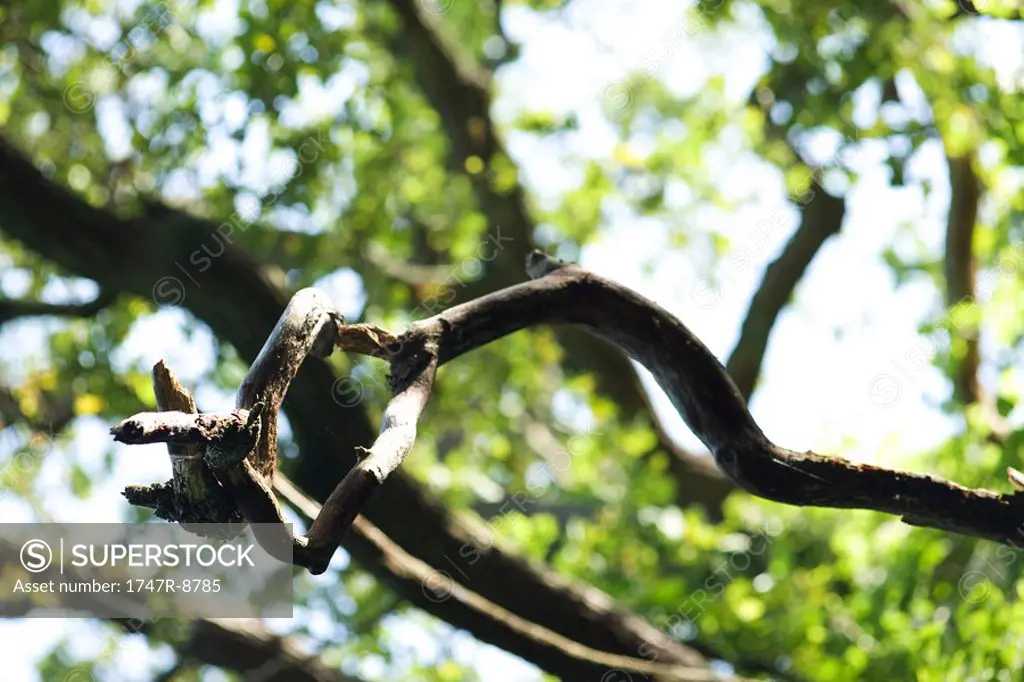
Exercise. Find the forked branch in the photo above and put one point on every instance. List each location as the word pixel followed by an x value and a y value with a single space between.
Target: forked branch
pixel 560 293
pixel 239 449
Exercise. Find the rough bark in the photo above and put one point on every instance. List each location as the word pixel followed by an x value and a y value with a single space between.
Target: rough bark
pixel 241 305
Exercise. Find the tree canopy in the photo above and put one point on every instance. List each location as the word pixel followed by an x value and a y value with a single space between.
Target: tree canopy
pixel 828 195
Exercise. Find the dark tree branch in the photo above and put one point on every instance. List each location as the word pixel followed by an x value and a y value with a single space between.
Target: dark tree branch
pixel 235 443
pixel 821 218
pixel 446 588
pixel 246 646
pixel 309 325
pixel 712 406
pixel 487 619
pixel 961 272
pixel 460 93
pixel 243 645
pixel 11 309
pixel 699 387
pixel 241 305
pixel 397 436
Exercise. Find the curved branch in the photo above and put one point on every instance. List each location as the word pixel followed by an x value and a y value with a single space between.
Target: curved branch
pixel 713 407
pixel 241 304
pixel 698 386
pixel 820 218
pixel 397 436
pixel 308 325
pixel 460 94
pixel 414 359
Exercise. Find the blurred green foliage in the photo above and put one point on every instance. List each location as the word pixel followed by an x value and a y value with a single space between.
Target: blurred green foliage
pixel 365 168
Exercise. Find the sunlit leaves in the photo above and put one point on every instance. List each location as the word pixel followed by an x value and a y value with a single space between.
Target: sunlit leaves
pixel 361 178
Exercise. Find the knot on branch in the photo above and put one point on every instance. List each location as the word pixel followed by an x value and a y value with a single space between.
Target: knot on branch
pixel 409 360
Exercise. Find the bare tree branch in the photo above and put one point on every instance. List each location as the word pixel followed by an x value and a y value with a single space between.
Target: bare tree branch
pixel 712 406
pixel 236 433
pixel 700 389
pixel 193 494
pixel 397 436
pixel 414 361
pixel 446 588
pixel 191 480
pixel 234 444
pixel 961 271
pixel 821 218
pixel 246 646
pixel 309 325
pixel 241 305
pixel 11 309
pixel 460 93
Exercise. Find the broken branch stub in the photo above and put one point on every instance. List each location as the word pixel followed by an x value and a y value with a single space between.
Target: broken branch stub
pixel 231 436
pixel 192 496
